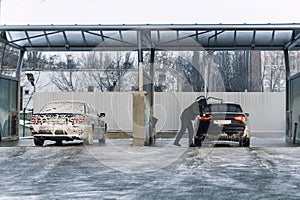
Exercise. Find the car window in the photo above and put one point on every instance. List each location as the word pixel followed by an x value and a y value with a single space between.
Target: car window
pixel 63 107
pixel 90 109
pixel 223 108
pixel 234 108
pixel 87 108
pixel 93 109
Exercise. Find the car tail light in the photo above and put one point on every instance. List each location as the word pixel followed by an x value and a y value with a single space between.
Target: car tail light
pixel 78 120
pixel 36 120
pixel 205 117
pixel 240 118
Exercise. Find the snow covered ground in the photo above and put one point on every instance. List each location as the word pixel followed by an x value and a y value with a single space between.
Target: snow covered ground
pixel 269 169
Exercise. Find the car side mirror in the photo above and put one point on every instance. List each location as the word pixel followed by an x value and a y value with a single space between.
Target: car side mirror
pixel 247 114
pixel 101 115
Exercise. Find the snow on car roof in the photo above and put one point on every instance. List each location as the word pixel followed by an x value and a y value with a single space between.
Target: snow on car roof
pixel 68 106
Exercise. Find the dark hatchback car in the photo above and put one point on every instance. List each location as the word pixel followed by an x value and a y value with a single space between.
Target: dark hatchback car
pixel 223 124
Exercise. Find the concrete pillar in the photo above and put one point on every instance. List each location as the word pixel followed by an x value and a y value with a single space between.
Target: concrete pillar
pixel 139 102
pixel 139 126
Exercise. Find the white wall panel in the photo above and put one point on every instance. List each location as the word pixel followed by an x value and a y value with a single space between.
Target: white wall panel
pixel 267 110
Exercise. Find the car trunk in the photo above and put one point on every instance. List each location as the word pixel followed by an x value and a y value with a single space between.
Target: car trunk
pixel 229 123
pixel 58 119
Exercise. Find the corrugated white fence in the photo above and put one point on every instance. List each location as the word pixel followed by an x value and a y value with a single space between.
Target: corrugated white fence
pixel 267 110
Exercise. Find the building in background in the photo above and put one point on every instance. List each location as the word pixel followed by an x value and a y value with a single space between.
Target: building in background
pixel 273 69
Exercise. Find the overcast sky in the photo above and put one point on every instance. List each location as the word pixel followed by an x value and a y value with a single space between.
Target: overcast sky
pixel 152 11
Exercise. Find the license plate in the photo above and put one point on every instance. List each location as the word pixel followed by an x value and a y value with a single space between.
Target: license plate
pixel 222 122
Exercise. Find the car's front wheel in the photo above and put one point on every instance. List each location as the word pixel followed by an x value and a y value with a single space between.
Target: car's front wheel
pixel 38 142
pixel 58 142
pixel 102 140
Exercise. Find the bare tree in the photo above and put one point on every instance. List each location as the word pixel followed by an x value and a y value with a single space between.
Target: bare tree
pixel 114 68
pixel 9 59
pixel 233 66
pixel 66 80
pixel 273 71
pixel 101 70
pixel 189 67
pixel 35 61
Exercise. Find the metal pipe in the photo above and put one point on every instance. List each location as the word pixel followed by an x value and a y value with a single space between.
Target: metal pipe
pixel 287 93
pixel 18 75
pixel 295 133
pixel 140 61
pixel 287 77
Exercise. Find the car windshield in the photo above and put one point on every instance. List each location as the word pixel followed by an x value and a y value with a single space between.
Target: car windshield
pixel 63 107
pixel 223 108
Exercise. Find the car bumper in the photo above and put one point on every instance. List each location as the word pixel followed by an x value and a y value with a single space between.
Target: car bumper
pixel 58 137
pixel 223 136
pixel 226 139
pixel 60 132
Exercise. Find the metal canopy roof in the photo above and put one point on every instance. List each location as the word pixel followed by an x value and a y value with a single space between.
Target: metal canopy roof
pixel 161 37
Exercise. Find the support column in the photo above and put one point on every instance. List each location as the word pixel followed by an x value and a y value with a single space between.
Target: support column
pixel 140 61
pixel 152 119
pixel 287 96
pixel 139 102
pixel 18 76
pixel 138 129
pixel 19 64
pixel 287 76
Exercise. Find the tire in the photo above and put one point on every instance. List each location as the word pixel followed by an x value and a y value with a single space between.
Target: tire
pixel 198 141
pixel 38 142
pixel 102 141
pixel 89 140
pixel 58 142
pixel 244 142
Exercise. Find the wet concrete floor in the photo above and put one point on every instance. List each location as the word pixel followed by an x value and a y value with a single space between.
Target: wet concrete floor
pixel 268 169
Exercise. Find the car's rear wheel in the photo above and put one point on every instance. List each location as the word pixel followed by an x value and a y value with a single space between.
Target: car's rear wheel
pixel 198 141
pixel 38 141
pixel 245 142
pixel 89 140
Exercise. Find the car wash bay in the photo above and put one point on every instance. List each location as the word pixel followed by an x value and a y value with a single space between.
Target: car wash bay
pixel 118 170
pixel 148 38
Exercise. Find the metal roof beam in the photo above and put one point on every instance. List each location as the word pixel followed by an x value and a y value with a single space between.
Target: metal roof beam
pixel 125 27
pixel 294 42
pixel 84 39
pixel 272 39
pixel 103 36
pixel 28 38
pixel 182 38
pixel 47 39
pixel 66 39
pixel 32 37
pixel 253 39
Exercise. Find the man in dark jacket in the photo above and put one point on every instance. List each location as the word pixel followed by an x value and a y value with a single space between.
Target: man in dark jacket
pixel 189 114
